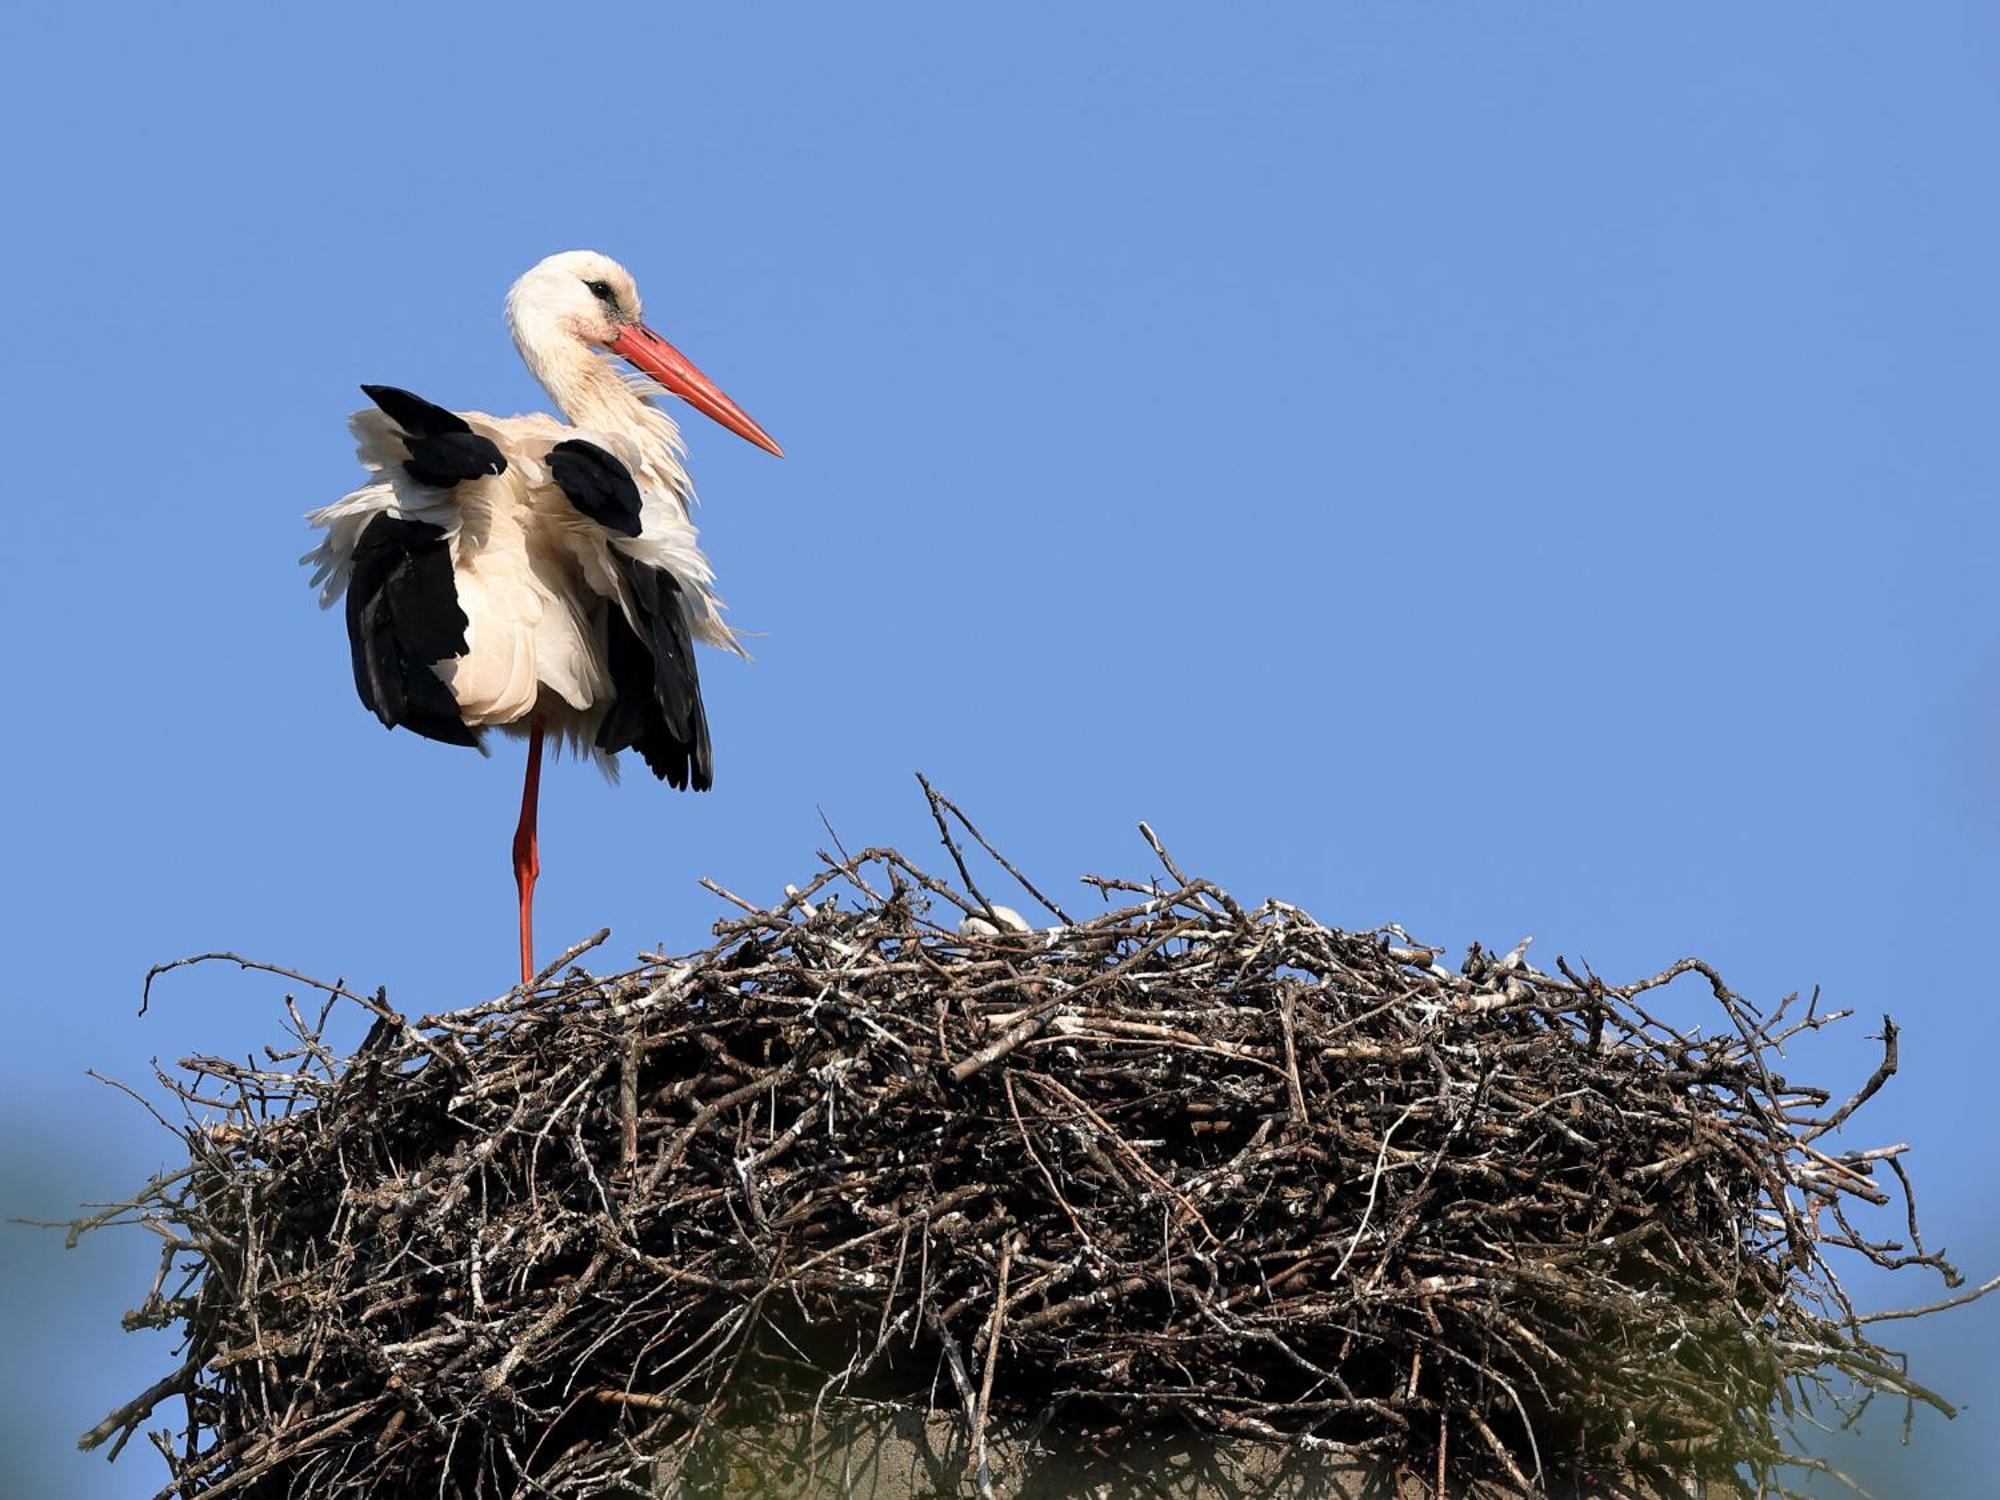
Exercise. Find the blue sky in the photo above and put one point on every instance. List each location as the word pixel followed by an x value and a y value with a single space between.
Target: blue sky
pixel 1502 470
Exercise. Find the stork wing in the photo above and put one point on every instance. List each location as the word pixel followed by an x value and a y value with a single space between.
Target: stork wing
pixel 416 454
pixel 402 617
pixel 656 708
pixel 389 546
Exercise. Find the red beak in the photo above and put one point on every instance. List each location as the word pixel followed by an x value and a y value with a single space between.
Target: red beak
pixel 677 373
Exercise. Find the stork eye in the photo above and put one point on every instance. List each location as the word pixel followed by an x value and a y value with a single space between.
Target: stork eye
pixel 602 292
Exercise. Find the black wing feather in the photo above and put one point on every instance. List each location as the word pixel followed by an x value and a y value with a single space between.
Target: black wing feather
pixel 444 450
pixel 657 709
pixel 598 485
pixel 403 616
pixel 415 415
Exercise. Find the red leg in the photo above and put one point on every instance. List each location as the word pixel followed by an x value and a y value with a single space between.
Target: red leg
pixel 527 853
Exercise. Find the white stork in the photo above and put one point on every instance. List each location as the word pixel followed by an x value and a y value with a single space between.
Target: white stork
pixel 520 574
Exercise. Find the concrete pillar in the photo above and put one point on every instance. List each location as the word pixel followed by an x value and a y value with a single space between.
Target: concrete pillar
pixel 893 1454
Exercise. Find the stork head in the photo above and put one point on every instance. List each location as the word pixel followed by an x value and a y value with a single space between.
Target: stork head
pixel 579 300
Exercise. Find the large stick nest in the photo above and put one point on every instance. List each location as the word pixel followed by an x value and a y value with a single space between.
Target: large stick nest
pixel 1175 1163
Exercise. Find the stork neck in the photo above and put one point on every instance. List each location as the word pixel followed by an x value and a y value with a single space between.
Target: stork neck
pixel 587 390
pixel 591 393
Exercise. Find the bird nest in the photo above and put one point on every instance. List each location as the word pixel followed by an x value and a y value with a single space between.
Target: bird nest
pixel 1180 1163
